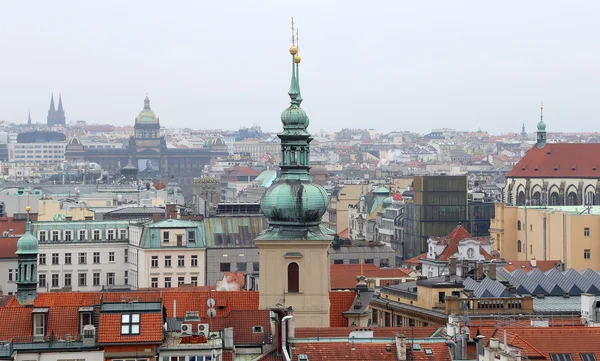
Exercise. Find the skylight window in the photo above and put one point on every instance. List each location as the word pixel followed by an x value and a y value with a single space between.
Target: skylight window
pixel 428 351
pixel 561 357
pixel 130 324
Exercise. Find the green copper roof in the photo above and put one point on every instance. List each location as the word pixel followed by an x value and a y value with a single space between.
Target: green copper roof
pixel 27 244
pixel 147 116
pixel 381 190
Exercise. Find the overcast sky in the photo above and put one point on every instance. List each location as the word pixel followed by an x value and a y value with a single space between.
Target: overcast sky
pixel 389 65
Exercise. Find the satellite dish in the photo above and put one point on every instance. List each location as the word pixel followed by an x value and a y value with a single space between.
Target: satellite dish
pixel 210 302
pixel 211 312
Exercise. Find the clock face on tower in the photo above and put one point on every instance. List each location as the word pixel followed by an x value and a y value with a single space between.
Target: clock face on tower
pixel 470 252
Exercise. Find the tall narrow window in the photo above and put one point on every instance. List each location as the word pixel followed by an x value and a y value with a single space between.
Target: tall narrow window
pixel 293 277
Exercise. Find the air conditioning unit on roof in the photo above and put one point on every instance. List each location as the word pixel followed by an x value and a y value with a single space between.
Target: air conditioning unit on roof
pixel 203 330
pixel 186 329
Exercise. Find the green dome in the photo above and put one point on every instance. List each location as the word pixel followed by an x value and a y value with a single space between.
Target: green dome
pixel 146 116
pixel 298 202
pixel 215 142
pixel 294 116
pixel 381 190
pixel 541 126
pixel 27 244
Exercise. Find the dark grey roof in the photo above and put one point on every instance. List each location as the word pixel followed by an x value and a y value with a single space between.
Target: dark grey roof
pixel 552 282
pixel 486 288
pixel 137 210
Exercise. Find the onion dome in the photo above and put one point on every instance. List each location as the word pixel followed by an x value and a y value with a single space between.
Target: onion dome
pixel 299 202
pixel 159 185
pixel 146 116
pixel 27 244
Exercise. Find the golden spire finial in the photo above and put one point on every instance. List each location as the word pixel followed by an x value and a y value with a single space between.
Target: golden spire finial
pixel 28 208
pixel 293 49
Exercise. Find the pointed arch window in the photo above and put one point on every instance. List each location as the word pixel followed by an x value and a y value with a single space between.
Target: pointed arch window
pixel 519 248
pixel 518 225
pixel 572 199
pixel 293 277
pixel 554 199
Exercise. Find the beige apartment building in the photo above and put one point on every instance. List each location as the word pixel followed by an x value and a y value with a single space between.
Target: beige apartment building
pixel 567 233
pixel 336 216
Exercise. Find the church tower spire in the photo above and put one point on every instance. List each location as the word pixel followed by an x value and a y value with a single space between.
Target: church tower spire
pixel 541 130
pixel 52 108
pixel 29 119
pixel 60 106
pixel 523 132
pixel 294 249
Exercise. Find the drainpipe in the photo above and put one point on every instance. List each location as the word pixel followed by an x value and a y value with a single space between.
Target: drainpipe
pixel 564 240
pixel 454 347
pixel 526 230
pixel 544 235
pixel 286 355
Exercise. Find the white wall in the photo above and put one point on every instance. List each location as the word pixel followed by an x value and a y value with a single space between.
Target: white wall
pixel 8 287
pixel 55 356
pixel 105 266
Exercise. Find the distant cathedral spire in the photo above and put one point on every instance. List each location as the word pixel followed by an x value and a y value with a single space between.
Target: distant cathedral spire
pixel 523 132
pixel 56 117
pixel 52 108
pixel 60 106
pixel 29 118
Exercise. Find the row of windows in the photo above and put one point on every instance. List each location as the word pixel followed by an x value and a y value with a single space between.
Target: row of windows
pixel 586 230
pixel 168 281
pixel 82 279
pixel 82 234
pixel 82 258
pixel 180 261
pixel 191 238
pixel 241 267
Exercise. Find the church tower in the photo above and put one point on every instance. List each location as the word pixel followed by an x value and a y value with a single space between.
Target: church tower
pixel 27 254
pixel 294 249
pixel 541 130
pixel 56 117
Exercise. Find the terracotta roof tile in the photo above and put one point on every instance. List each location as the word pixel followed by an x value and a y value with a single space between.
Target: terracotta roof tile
pixel 339 302
pixel 225 301
pixel 15 323
pixel 333 351
pixel 343 276
pixel 440 352
pixel 52 299
pixel 109 329
pixel 562 160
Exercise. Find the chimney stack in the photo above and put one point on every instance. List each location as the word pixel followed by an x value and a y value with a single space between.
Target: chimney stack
pixel 401 347
pixel 452 266
pixel 479 271
pixel 492 270
pixel 89 218
pixel 171 211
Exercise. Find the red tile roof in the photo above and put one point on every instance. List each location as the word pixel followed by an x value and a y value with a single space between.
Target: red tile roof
pixel 56 299
pixel 8 223
pixel 242 171
pixel 560 160
pixel 344 233
pixel 440 352
pixel 109 329
pixel 339 302
pixel 8 247
pixel 526 265
pixel 378 332
pixel 333 351
pixel 343 276
pixel 225 301
pixel 15 323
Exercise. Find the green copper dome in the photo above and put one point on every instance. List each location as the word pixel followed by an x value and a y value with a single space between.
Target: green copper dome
pixel 294 202
pixel 541 126
pixel 147 116
pixel 27 244
pixel 294 116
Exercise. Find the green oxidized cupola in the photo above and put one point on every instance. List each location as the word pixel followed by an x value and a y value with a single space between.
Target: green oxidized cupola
pixel 294 204
pixel 27 253
pixel 541 130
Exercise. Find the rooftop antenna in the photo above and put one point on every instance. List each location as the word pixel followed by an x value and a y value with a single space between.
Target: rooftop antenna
pixel 293 39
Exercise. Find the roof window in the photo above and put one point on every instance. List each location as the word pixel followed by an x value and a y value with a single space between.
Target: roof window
pixel 428 351
pixel 130 324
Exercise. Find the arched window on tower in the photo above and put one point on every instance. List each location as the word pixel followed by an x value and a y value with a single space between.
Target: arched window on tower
pixel 590 198
pixel 536 199
pixel 518 225
pixel 519 246
pixel 293 277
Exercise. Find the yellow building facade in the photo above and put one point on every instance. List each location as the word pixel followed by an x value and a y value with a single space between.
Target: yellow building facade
pixel 567 233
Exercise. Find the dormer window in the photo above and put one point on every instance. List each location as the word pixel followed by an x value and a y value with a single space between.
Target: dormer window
pixel 96 234
pixel 42 236
pixel 68 235
pixel 85 317
pixel 123 234
pixel 130 324
pixel 257 329
pixel 54 236
pixel 39 322
pixel 82 234
pixel 110 234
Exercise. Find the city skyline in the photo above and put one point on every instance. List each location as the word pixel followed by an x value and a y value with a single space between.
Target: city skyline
pixel 402 66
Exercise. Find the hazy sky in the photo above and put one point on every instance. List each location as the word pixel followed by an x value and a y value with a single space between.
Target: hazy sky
pixel 390 65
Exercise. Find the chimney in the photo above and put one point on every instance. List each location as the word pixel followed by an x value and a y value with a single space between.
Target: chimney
pixel 492 270
pixel 171 211
pixel 533 263
pixel 89 218
pixel 156 217
pixel 494 343
pixel 479 271
pixel 69 218
pixel 401 347
pixel 452 266
pixel 33 217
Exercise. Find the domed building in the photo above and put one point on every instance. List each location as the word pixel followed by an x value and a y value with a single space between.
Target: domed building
pixel 27 254
pixel 215 143
pixel 148 152
pixel 294 249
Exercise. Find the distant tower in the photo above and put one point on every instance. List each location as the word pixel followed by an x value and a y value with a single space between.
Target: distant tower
pixel 541 130
pixel 29 119
pixel 56 117
pixel 27 254
pixel 294 249
pixel 523 132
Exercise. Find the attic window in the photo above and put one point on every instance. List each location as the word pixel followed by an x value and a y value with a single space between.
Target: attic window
pixel 556 168
pixel 257 329
pixel 130 324
pixel 428 351
pixel 595 168
pixel 537 168
pixel 524 168
pixel 221 307
pixel 416 347
pixel 561 357
pixel 574 167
